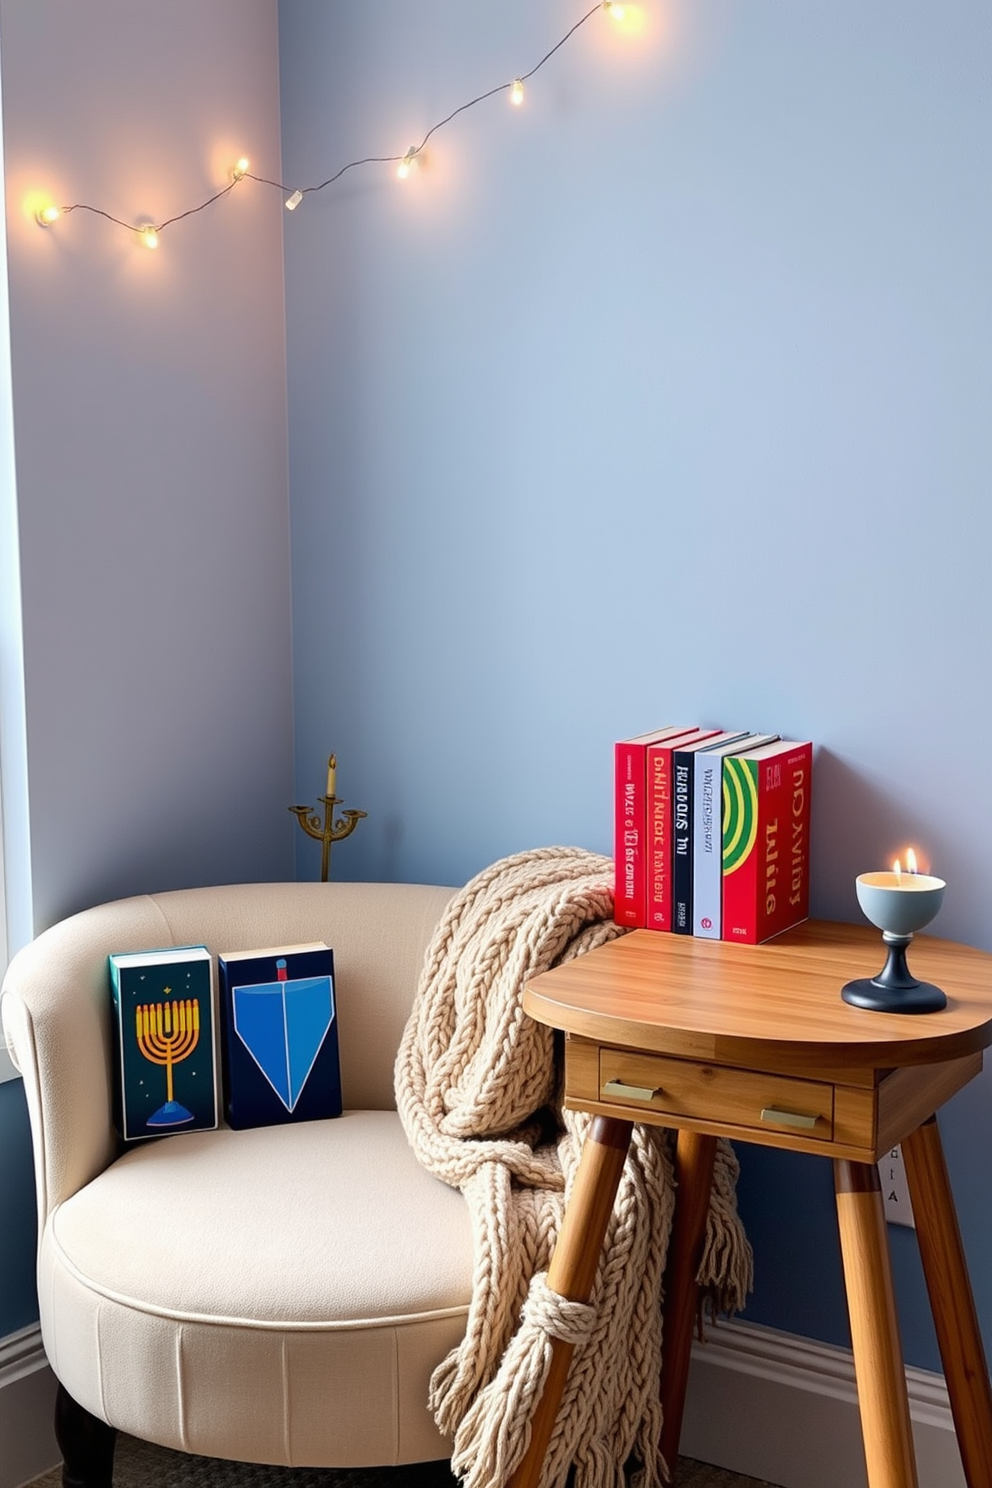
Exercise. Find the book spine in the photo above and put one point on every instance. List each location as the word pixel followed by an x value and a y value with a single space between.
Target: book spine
pixel 682 778
pixel 117 1100
pixel 794 898
pixel 707 847
pixel 658 789
pixel 629 825
pixel 227 1034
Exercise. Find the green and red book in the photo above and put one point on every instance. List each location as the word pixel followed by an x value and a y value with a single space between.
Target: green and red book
pixel 766 839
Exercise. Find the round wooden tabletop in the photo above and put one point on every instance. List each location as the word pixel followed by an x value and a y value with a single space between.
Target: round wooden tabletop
pixel 773 1003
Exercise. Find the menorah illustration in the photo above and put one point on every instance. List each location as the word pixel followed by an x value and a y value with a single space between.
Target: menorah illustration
pixel 168 1032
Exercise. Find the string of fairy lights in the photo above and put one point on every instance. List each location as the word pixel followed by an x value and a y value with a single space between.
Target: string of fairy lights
pixel 150 233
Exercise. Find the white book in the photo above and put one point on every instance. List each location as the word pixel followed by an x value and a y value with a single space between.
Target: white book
pixel 707 833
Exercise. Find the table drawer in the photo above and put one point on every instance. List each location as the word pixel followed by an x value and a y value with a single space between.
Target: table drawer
pixel 707 1092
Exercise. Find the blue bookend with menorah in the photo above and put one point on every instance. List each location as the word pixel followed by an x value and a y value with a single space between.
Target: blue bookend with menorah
pixel 280 1047
pixel 164 1036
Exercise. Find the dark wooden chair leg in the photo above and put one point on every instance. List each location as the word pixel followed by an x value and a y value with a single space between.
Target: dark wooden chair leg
pixel 86 1443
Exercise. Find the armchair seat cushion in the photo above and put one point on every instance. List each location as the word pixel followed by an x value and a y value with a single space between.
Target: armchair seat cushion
pixel 262 1266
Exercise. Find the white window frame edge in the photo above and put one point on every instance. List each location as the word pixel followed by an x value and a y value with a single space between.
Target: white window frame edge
pixel 17 917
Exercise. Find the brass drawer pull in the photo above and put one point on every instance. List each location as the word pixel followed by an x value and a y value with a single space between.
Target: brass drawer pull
pixel 629 1092
pixel 788 1118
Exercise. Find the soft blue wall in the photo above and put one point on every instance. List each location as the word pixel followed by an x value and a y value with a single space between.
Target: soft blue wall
pixel 663 398
pixel 150 443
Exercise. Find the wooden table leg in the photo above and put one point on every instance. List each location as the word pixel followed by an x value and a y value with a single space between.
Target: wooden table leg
pixel 946 1271
pixel 573 1268
pixel 878 1363
pixel 694 1159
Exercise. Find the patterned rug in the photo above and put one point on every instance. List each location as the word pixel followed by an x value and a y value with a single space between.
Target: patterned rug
pixel 139 1465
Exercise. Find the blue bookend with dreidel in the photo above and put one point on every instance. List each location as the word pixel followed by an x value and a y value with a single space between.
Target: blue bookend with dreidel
pixel 280 1046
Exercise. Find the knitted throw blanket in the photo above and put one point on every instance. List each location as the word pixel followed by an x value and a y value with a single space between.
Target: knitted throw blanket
pixel 476 1088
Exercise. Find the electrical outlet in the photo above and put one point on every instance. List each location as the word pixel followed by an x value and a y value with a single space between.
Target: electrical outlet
pixel 895 1189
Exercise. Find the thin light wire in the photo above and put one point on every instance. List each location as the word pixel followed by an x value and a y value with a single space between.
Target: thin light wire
pixel 351 165
pixel 150 226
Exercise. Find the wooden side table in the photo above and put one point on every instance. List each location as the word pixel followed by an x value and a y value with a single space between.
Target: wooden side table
pixel 755 1044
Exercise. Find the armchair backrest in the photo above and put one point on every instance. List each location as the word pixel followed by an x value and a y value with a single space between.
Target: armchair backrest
pixel 56 1001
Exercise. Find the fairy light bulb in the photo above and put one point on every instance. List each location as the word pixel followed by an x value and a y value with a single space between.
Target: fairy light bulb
pixel 517 92
pixel 406 164
pixel 240 168
pixel 45 216
pixel 149 236
pixel 292 202
pixel 613 9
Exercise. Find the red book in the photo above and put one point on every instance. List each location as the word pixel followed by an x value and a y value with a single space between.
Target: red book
pixel 766 840
pixel 658 815
pixel 630 822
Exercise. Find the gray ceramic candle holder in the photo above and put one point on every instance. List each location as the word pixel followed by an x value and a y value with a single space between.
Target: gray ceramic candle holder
pixel 899 904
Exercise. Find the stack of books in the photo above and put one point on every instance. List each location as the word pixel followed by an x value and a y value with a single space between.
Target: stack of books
pixel 712 832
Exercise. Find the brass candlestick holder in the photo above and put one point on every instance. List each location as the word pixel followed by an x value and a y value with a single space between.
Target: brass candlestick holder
pixel 328 831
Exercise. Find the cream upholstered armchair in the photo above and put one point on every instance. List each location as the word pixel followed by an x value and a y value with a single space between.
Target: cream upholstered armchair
pixel 276 1295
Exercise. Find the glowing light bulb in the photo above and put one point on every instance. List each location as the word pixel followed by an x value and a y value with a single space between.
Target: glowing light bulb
pixel 613 9
pixel 45 216
pixel 406 164
pixel 517 92
pixel 240 168
pixel 149 236
pixel 292 202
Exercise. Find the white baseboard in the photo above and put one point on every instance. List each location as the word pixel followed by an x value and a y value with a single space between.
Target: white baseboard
pixel 760 1402
pixel 27 1409
pixel 775 1406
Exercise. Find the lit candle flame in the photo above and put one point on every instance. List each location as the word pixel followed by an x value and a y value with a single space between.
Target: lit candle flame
pixel 912 866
